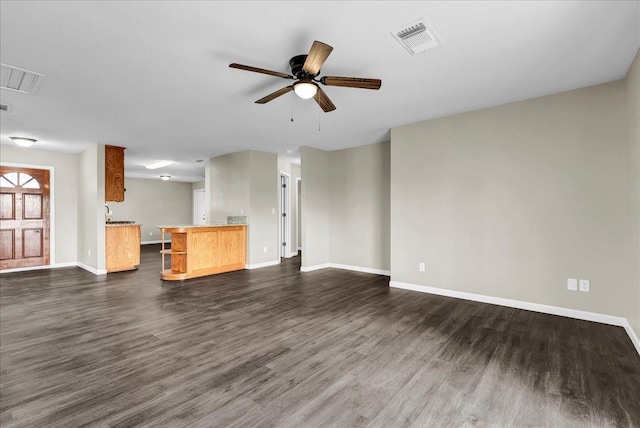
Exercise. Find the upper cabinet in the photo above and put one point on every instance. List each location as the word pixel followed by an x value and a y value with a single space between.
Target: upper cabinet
pixel 114 174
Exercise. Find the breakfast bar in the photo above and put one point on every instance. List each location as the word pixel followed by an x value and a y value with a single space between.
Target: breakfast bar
pixel 201 250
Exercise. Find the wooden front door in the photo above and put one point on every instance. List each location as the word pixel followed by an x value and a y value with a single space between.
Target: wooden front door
pixel 24 217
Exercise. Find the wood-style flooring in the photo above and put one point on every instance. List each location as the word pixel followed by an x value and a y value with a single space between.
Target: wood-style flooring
pixel 275 347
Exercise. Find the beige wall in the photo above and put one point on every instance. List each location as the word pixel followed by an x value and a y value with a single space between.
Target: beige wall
pixel 63 193
pixel 360 206
pixel 315 204
pixel 632 195
pixel 246 183
pixel 198 185
pixel 511 201
pixel 345 207
pixel 91 243
pixel 153 203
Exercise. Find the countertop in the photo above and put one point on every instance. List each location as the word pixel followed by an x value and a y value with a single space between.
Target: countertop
pixel 185 226
pixel 122 224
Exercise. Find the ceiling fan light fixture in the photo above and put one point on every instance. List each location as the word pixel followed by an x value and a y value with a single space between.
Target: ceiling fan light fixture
pixel 165 177
pixel 23 142
pixel 305 90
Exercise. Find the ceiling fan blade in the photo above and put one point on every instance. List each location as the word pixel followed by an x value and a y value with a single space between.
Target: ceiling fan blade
pixel 275 95
pixel 260 70
pixel 351 82
pixel 323 101
pixel 318 54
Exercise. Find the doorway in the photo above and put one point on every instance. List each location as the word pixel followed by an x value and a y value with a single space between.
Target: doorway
pixel 199 208
pixel 284 215
pixel 24 217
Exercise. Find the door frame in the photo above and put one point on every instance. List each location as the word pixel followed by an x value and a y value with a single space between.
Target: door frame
pixel 298 215
pixel 286 234
pixel 52 211
pixel 193 209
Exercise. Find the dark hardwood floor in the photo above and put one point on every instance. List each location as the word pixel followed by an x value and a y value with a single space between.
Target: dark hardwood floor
pixel 276 347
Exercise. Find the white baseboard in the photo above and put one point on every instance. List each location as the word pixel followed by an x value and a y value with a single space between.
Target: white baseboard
pixel 345 267
pixel 632 335
pixel 92 270
pixel 261 265
pixel 155 242
pixel 54 266
pixel 315 267
pixel 361 269
pixel 518 304
pixel 299 248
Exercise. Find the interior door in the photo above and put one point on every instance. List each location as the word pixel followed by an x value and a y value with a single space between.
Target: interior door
pixel 199 211
pixel 24 217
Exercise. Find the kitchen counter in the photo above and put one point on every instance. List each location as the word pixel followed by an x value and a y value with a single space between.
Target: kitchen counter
pixel 200 250
pixel 122 246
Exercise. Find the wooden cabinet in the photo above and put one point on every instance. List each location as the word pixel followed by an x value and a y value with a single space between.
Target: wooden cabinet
pixel 114 174
pixel 122 247
pixel 203 250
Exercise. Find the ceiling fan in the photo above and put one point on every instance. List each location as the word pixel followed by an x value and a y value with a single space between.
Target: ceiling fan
pixel 305 69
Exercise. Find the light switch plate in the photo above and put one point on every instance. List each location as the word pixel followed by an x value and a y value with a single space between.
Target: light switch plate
pixel 421 267
pixel 584 285
pixel 572 284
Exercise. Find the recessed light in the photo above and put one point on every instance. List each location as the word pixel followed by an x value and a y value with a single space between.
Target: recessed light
pixel 23 142
pixel 158 164
pixel 165 177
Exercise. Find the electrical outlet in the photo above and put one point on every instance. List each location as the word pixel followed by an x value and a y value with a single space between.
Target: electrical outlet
pixel 584 285
pixel 572 284
pixel 241 211
pixel 265 250
pixel 150 233
pixel 421 267
pixel 273 210
pixel 89 252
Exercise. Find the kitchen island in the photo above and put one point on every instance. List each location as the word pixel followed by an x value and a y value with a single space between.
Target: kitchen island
pixel 200 250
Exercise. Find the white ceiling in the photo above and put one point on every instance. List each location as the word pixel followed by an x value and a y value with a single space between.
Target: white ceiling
pixel 153 76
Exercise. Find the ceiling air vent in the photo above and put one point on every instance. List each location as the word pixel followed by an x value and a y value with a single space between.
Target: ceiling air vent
pixel 19 80
pixel 5 107
pixel 417 36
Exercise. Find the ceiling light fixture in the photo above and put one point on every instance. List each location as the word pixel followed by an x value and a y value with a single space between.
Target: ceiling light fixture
pixel 23 142
pixel 165 177
pixel 158 164
pixel 305 89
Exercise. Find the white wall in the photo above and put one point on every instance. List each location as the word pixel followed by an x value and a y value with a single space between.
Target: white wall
pixel 632 195
pixel 345 207
pixel 360 206
pixel 153 203
pixel 511 201
pixel 246 183
pixel 91 232
pixel 316 209
pixel 64 212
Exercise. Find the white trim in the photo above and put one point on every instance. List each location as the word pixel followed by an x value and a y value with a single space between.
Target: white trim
pixel 168 241
pixel 282 252
pixel 52 204
pixel 346 267
pixel 261 265
pixel 518 304
pixel 51 266
pixel 92 270
pixel 361 269
pixel 632 335
pixel 316 267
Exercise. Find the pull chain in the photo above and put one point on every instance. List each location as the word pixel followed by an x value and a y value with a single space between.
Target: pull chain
pixel 291 106
pixel 319 116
